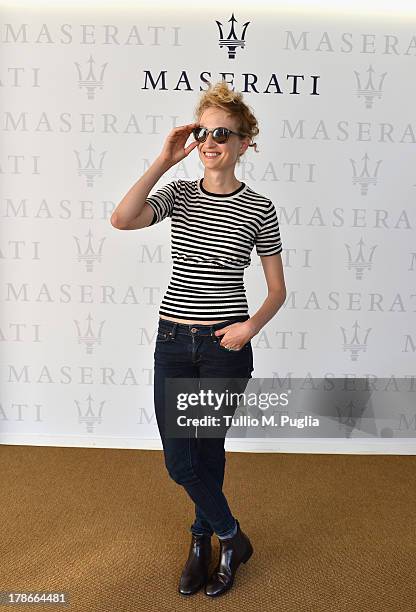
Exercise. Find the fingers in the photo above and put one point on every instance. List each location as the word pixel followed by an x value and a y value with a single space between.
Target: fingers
pixel 189 148
pixel 188 127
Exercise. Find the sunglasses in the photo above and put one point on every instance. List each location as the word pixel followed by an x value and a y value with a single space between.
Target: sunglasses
pixel 219 134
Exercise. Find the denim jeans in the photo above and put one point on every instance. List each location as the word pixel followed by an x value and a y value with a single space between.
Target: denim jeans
pixel 198 463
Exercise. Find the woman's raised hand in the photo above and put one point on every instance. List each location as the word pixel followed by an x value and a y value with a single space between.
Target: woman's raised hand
pixel 174 149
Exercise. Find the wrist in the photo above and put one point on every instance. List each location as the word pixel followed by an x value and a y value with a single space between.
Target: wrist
pixel 162 164
pixel 252 327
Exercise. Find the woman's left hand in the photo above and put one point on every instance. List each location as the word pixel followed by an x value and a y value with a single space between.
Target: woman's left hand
pixel 236 335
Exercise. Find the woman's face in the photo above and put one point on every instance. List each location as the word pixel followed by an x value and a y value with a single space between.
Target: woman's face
pixel 228 151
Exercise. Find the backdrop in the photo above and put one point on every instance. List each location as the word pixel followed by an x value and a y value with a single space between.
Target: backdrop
pixel 88 97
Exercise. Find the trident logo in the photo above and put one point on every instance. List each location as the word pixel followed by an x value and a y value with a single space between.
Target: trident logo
pixel 355 344
pixel 368 90
pixel 364 179
pixel 90 170
pixel 90 81
pixel 89 255
pixel 89 337
pixel 232 42
pixel 360 263
pixel 89 415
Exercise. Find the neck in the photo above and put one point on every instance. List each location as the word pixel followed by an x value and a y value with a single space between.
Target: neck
pixel 220 183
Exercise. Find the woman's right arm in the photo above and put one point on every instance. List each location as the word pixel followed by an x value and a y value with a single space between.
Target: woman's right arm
pixel 134 212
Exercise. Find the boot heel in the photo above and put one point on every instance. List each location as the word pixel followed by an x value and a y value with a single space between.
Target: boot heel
pixel 248 555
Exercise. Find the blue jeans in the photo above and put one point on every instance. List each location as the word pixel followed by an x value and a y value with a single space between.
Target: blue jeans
pixel 198 463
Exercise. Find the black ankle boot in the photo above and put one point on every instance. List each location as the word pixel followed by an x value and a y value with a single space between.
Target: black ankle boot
pixel 195 572
pixel 233 551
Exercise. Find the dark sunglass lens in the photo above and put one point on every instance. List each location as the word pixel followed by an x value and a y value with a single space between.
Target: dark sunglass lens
pixel 200 134
pixel 220 135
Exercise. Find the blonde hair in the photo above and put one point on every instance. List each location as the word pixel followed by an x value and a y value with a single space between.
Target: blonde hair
pixel 221 96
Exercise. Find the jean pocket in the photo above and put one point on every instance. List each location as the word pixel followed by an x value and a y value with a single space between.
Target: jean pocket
pixel 222 348
pixel 164 336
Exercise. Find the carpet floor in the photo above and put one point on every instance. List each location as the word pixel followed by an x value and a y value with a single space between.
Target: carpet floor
pixel 331 533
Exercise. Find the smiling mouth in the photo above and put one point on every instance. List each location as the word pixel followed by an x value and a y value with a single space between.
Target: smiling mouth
pixel 211 155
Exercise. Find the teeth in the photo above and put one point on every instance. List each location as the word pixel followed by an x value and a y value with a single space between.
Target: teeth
pixel 211 154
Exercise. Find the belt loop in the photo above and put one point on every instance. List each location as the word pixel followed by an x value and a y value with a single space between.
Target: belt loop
pixel 174 327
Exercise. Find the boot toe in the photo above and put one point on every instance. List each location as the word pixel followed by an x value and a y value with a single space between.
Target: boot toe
pixel 233 551
pixel 191 583
pixel 189 588
pixel 218 584
pixel 195 573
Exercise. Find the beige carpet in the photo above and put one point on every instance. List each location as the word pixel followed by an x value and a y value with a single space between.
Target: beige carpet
pixel 330 532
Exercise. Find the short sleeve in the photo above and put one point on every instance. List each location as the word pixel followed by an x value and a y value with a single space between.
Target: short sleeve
pixel 267 240
pixel 162 201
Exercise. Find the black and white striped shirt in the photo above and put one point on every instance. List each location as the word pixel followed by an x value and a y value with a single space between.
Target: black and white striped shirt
pixel 212 236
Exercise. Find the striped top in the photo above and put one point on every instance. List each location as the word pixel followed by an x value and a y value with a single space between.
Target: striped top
pixel 212 236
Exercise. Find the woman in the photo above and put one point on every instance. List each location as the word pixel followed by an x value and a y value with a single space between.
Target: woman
pixel 204 329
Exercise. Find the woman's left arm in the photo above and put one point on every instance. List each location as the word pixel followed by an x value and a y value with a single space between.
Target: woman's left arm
pixel 273 271
pixel 238 334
